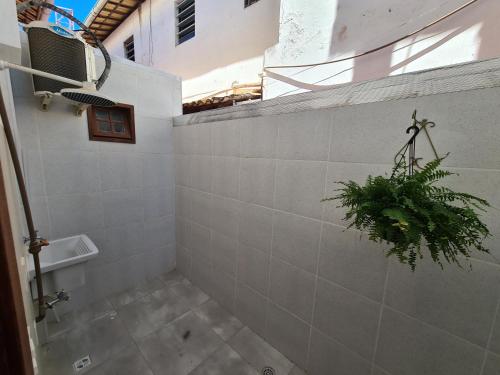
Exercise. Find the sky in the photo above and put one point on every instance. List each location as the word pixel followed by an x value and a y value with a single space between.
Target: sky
pixel 80 7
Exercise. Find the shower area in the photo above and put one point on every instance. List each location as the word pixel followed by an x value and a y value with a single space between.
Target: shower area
pixel 120 305
pixel 214 253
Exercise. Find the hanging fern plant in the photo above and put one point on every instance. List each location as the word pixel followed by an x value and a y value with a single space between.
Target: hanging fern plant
pixel 412 212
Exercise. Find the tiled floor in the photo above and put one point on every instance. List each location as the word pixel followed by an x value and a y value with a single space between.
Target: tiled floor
pixel 166 326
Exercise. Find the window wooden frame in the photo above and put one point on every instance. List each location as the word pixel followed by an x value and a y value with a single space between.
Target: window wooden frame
pixel 96 134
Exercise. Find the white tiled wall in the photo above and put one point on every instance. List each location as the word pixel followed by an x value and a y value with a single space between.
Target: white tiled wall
pixel 252 232
pixel 121 195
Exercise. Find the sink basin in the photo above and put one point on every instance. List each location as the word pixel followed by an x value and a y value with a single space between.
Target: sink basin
pixel 62 263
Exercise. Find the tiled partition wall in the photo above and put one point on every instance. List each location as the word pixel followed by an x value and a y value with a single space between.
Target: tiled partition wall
pixel 121 195
pixel 253 233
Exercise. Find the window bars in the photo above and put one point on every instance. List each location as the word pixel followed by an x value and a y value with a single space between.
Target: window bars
pixel 129 48
pixel 185 20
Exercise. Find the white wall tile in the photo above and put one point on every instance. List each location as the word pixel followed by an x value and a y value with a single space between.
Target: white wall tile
pixel 287 334
pixel 225 176
pixel 158 203
pixel 199 242
pixel 122 206
pixel 121 170
pixel 69 172
pixel 258 137
pixel 296 240
pixel 253 268
pixel 257 181
pixel 255 223
pixel 75 214
pixel 326 354
pixel 224 252
pixel 201 168
pixel 250 308
pixel 304 135
pixel 367 134
pixel 159 233
pixel 344 250
pixel 407 346
pixel 158 171
pixel 450 299
pixel 224 216
pixel 292 288
pixel 200 207
pixel 225 138
pixel 346 317
pixel 299 187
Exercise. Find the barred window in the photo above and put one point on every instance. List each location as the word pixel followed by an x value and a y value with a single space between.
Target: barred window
pixel 128 46
pixel 185 20
pixel 250 2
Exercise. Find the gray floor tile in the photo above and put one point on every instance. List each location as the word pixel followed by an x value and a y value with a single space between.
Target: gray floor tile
pixel 258 352
pixel 190 293
pixel 297 371
pixel 102 339
pixel 128 362
pixel 225 361
pixel 492 366
pixel 379 371
pixel 223 323
pixel 171 278
pixel 77 318
pixel 124 298
pixel 179 347
pixel 54 358
pixel 159 321
pixel 151 312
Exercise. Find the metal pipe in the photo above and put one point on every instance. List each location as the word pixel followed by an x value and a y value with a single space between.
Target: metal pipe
pixel 35 243
pixel 8 65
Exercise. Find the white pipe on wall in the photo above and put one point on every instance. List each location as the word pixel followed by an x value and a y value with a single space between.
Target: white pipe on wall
pixel 7 65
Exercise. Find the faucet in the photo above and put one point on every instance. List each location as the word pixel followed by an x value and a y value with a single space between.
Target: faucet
pixel 58 297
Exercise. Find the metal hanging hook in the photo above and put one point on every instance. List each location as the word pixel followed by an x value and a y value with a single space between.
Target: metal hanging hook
pixel 410 145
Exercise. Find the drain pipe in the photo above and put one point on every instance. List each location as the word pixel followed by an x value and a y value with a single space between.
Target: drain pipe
pixel 35 243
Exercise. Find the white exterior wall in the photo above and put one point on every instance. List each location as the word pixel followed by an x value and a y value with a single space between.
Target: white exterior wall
pixel 121 195
pixel 228 47
pixel 339 28
pixel 10 44
pixel 10 50
pixel 249 181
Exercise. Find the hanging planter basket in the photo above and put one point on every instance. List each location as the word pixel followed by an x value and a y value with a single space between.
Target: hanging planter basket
pixel 412 212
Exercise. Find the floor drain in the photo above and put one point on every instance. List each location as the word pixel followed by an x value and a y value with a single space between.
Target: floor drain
pixel 268 371
pixel 82 363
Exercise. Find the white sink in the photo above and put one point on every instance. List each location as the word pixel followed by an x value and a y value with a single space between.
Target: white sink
pixel 62 263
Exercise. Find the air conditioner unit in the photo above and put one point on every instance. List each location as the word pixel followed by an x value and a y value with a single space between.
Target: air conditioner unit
pixel 57 50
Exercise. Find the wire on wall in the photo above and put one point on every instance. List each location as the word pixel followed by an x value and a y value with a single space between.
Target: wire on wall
pixel 151 44
pixel 268 69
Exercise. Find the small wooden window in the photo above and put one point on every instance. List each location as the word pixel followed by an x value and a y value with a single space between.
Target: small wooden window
pixel 250 2
pixel 128 46
pixel 111 124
